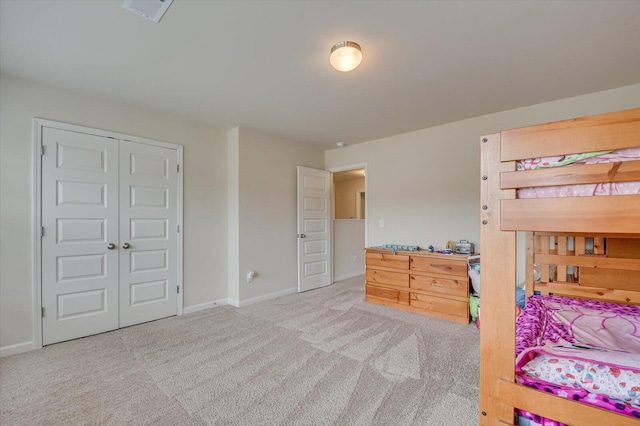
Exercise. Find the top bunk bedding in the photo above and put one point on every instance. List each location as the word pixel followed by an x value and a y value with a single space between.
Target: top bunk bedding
pixel 584 189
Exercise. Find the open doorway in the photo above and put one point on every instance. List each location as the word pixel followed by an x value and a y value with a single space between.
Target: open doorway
pixel 349 222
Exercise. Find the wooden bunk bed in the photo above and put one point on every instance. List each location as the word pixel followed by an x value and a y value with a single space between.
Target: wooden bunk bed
pixel 609 270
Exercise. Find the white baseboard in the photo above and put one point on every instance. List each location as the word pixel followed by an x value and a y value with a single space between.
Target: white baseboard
pixel 203 306
pixel 347 276
pixel 17 349
pixel 247 302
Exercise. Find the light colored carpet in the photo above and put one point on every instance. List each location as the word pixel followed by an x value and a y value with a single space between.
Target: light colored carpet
pixel 324 357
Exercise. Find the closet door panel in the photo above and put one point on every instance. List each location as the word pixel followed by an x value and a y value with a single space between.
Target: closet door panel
pixel 148 233
pixel 80 220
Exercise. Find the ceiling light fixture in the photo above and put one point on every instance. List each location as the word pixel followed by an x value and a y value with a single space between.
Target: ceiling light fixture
pixel 345 56
pixel 153 10
pixel 340 144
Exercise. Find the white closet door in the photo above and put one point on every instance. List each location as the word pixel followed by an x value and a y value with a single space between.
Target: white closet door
pixel 80 220
pixel 148 233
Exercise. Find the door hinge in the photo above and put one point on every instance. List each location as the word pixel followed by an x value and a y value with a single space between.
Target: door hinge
pixel 42 312
pixel 178 168
pixel 178 289
pixel 41 231
pixel 178 229
pixel 41 150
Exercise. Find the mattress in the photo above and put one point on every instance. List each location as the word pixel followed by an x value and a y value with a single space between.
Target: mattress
pixel 584 350
pixel 581 190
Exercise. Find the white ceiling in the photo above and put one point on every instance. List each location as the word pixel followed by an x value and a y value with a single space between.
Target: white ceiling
pixel 264 64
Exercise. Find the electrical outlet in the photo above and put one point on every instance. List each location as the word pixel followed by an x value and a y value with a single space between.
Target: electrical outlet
pixel 355 259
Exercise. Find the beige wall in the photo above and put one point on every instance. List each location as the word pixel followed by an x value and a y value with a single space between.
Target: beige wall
pixel 267 219
pixel 345 197
pixel 425 185
pixel 348 248
pixel 205 191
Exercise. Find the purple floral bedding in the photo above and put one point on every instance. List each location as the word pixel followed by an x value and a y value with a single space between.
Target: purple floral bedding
pixel 581 190
pixel 594 346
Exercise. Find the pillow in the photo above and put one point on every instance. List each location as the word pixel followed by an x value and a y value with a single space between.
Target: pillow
pixel 601 379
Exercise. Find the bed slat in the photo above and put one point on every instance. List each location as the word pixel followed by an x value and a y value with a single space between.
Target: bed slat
pixel 560 409
pixel 625 235
pixel 561 272
pixel 623 247
pixel 627 171
pixel 604 131
pixel 585 292
pixel 625 280
pixel 602 215
pixel 532 245
pixel 589 261
pixel 579 246
pixel 544 242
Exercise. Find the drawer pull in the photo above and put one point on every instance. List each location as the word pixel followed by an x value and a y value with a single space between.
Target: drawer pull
pixel 435 265
pixel 435 283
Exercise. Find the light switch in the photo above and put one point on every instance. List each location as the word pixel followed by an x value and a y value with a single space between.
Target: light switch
pixel 381 223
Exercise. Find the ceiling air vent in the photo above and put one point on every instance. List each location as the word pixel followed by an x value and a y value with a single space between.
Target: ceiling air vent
pixel 153 10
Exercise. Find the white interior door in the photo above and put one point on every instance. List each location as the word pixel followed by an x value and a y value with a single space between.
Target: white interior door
pixel 80 235
pixel 148 233
pixel 314 228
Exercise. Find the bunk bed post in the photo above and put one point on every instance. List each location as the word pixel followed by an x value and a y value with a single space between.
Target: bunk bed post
pixel 498 278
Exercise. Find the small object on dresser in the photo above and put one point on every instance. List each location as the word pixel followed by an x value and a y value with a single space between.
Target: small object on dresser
pixel 431 249
pixel 395 247
pixel 464 247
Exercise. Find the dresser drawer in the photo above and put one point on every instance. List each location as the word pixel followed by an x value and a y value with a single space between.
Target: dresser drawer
pixel 396 296
pixel 396 261
pixel 439 266
pixel 395 279
pixel 450 287
pixel 439 304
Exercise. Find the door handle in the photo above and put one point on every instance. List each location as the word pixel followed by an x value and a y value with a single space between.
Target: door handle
pixel 126 246
pixel 111 246
pixel 302 236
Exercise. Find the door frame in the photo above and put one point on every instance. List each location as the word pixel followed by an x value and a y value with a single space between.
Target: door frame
pixel 366 204
pixel 36 214
pixel 359 195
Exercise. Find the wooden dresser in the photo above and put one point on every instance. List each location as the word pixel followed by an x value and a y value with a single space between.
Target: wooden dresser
pixel 428 283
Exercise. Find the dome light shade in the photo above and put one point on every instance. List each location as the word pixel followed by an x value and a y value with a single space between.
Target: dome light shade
pixel 345 56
